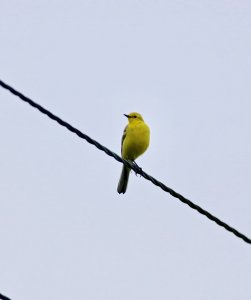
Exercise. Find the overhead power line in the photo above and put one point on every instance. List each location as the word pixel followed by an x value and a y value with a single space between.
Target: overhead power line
pixel 130 164
pixel 2 297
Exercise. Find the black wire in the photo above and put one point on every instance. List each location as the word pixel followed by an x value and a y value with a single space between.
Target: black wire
pixel 2 297
pixel 133 166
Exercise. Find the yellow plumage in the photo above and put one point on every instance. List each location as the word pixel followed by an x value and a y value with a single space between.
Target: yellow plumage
pixel 135 141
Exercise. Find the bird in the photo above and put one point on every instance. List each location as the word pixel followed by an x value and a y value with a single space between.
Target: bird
pixel 135 141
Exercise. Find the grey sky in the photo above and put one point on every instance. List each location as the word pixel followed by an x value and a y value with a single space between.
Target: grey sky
pixel 65 232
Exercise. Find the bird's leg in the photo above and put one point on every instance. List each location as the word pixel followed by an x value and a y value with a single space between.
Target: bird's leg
pixel 138 168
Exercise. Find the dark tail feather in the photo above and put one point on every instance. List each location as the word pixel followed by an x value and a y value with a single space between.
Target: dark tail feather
pixel 123 181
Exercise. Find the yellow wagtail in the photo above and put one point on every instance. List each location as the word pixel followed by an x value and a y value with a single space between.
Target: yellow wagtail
pixel 135 141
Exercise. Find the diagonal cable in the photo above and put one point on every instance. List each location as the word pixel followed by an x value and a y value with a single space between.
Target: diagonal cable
pixel 2 297
pixel 133 166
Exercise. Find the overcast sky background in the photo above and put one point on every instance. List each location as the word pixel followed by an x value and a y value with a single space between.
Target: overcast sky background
pixel 65 232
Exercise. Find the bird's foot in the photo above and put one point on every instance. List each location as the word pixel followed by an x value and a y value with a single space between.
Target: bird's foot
pixel 138 169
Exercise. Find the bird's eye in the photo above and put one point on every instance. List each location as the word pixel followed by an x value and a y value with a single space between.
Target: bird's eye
pixel 135 117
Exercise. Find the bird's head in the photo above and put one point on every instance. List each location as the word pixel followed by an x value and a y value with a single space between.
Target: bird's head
pixel 132 117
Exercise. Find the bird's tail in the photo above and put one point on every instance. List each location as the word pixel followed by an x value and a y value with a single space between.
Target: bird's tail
pixel 123 181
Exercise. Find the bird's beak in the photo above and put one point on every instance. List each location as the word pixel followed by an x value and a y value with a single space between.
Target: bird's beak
pixel 126 115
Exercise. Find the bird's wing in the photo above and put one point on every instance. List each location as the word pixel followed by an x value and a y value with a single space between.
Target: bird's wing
pixel 123 137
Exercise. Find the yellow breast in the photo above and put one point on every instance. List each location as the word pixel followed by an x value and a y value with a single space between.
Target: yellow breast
pixel 136 140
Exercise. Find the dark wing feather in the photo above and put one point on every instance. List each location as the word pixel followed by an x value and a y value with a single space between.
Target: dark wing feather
pixel 123 138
